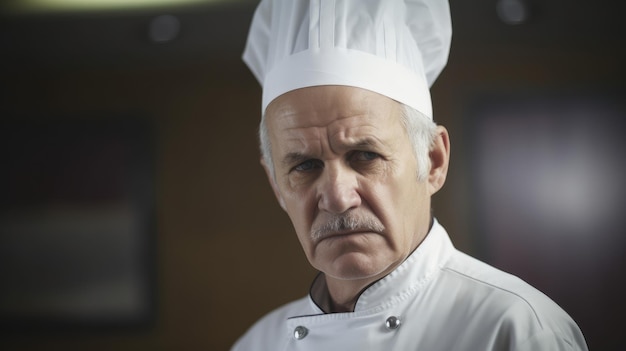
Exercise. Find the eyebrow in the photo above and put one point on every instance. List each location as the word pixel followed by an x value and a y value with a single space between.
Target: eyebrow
pixel 366 142
pixel 296 157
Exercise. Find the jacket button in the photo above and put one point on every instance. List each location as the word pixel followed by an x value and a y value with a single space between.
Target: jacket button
pixel 392 322
pixel 300 332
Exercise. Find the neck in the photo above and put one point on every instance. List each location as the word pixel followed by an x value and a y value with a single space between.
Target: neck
pixel 343 295
pixel 335 296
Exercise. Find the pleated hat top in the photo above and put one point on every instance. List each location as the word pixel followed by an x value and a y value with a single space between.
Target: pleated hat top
pixel 396 48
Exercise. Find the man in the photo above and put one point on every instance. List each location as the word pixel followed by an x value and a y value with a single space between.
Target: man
pixel 353 157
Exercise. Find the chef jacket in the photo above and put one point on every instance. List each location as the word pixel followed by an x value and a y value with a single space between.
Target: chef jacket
pixel 437 299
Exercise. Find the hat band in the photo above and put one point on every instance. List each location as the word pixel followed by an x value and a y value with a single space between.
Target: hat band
pixel 316 67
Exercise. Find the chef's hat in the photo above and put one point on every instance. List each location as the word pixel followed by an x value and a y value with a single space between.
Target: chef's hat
pixel 396 48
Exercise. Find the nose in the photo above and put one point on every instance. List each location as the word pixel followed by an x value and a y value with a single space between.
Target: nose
pixel 337 189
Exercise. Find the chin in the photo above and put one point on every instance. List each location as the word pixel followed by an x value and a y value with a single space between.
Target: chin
pixel 357 266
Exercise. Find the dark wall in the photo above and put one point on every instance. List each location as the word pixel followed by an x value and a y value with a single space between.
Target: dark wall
pixel 225 254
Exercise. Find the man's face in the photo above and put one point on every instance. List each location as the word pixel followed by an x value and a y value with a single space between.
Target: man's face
pixel 346 175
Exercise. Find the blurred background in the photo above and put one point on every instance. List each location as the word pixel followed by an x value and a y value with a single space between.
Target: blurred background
pixel 134 214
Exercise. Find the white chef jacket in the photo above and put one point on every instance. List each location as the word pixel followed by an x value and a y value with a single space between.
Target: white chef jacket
pixel 437 299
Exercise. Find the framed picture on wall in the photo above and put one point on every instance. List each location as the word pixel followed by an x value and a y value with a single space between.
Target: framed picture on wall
pixel 77 234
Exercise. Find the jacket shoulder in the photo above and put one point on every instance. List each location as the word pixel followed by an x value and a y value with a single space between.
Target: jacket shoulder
pixel 516 307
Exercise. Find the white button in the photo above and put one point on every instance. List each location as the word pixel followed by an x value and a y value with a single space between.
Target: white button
pixel 300 332
pixel 392 322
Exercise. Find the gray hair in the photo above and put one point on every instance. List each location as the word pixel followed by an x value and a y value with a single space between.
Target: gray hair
pixel 420 129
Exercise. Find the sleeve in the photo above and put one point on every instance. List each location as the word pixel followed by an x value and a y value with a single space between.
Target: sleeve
pixel 549 341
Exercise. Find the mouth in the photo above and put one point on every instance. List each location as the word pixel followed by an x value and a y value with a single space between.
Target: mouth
pixel 346 225
pixel 346 234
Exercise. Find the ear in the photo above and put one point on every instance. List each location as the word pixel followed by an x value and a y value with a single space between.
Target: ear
pixel 272 181
pixel 439 159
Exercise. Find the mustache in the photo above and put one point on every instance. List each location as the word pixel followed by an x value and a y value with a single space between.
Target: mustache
pixel 347 222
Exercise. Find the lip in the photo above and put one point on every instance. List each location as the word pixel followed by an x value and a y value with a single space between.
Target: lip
pixel 338 235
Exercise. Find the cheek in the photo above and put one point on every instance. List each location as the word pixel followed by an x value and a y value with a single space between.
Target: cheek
pixel 399 203
pixel 296 195
pixel 397 190
pixel 300 209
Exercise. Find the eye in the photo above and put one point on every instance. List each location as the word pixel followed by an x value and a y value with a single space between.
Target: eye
pixel 308 165
pixel 365 156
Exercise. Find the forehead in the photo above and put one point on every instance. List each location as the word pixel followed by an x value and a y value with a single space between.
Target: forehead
pixel 331 111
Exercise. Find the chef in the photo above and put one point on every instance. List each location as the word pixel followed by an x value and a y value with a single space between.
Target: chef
pixel 353 156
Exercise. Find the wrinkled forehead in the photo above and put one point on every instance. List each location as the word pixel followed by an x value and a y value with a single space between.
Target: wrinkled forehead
pixel 334 116
pixel 324 105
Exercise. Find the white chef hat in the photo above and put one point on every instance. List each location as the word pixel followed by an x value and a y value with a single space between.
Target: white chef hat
pixel 396 48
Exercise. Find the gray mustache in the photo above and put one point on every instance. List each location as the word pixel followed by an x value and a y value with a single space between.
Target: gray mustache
pixel 347 222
